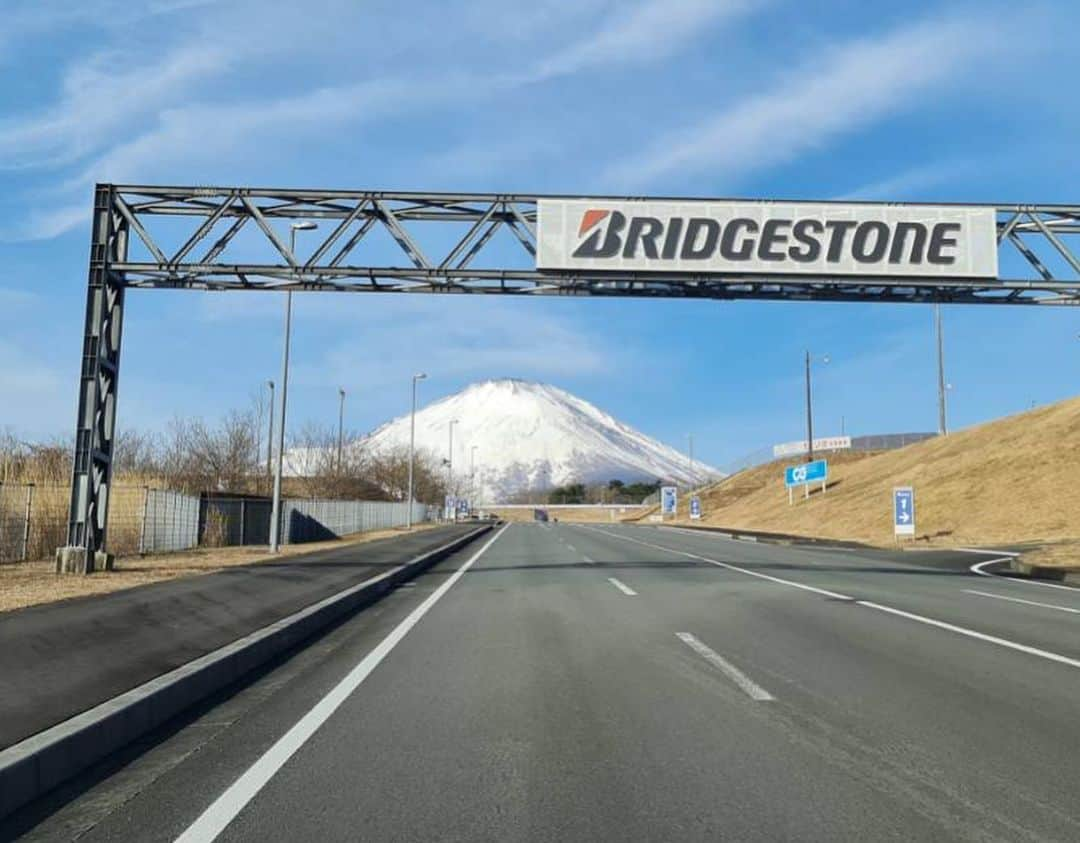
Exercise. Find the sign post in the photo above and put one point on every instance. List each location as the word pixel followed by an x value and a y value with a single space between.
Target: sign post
pixel 903 511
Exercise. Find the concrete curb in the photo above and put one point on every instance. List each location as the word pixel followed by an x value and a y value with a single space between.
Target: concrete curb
pixel 760 535
pixel 36 765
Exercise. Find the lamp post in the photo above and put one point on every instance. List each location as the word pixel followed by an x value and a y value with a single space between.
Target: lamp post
pixel 810 408
pixel 275 509
pixel 340 426
pixel 412 445
pixel 270 434
pixel 450 468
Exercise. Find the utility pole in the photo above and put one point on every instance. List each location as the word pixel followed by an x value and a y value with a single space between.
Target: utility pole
pixel 942 426
pixel 810 409
pixel 275 507
pixel 412 446
pixel 340 426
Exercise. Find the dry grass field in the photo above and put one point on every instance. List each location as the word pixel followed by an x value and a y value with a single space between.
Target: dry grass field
pixel 1009 481
pixel 29 583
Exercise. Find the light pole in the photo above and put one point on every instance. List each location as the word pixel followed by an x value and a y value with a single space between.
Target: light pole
pixel 412 445
pixel 270 433
pixel 810 409
pixel 275 508
pixel 340 425
pixel 450 468
pixel 941 386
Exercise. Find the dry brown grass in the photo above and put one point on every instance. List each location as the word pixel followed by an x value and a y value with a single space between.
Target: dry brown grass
pixel 1007 481
pixel 30 583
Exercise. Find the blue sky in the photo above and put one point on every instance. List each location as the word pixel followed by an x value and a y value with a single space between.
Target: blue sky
pixel 755 98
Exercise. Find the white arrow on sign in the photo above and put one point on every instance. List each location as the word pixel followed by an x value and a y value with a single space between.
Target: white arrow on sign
pixel 904 518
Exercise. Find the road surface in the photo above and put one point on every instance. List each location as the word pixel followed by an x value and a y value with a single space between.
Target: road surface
pixel 571 682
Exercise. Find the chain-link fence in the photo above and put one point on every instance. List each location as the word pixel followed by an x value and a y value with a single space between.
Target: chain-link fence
pixel 33 519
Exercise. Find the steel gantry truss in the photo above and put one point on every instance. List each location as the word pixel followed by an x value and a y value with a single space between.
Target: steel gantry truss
pixel 232 238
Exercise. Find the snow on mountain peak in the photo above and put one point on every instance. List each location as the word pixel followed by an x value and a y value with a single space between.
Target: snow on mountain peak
pixel 531 436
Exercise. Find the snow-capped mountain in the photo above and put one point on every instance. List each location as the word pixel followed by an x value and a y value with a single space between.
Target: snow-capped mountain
pixel 530 436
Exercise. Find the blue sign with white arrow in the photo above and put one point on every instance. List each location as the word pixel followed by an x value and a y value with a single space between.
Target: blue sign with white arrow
pixel 904 511
pixel 811 472
pixel 695 507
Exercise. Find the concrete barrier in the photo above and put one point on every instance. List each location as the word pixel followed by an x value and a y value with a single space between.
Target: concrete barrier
pixel 38 764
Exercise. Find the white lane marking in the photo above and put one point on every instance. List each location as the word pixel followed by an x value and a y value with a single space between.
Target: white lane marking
pixel 588 560
pixel 977 568
pixel 623 587
pixel 571 547
pixel 720 564
pixel 225 808
pixel 1027 602
pixel 982 636
pixel 971 633
pixel 987 552
pixel 752 689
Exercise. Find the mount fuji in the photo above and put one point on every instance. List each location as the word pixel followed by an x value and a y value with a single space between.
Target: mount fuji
pixel 513 436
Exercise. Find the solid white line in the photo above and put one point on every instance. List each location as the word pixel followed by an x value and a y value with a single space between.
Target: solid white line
pixel 1027 602
pixel 588 560
pixel 720 564
pixel 981 636
pixel 623 587
pixel 225 808
pixel 977 568
pixel 1006 553
pixel 752 689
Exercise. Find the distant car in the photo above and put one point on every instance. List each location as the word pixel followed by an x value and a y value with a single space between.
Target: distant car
pixel 540 515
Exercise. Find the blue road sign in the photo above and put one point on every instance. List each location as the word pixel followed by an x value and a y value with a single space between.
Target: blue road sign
pixel 695 507
pixel 904 511
pixel 811 472
pixel 668 497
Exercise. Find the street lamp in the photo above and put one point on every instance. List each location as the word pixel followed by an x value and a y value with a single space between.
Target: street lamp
pixel 340 425
pixel 810 408
pixel 270 433
pixel 275 509
pixel 450 467
pixel 412 444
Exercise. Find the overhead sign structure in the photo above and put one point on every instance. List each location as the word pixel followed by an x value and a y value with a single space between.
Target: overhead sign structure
pixel 904 511
pixel 825 443
pixel 695 507
pixel 205 237
pixel 775 238
pixel 668 499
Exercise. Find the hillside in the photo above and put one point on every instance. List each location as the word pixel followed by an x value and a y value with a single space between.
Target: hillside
pixel 1010 480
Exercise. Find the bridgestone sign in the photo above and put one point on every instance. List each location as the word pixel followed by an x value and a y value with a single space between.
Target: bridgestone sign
pixel 773 238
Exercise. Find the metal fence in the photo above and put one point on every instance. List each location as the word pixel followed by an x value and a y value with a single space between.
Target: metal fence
pixel 33 519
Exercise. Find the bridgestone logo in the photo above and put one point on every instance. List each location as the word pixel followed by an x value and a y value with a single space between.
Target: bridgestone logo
pixel 770 237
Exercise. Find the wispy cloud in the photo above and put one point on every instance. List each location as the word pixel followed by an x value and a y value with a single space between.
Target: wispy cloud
pixel 850 87
pixel 98 103
pixel 647 31
pixel 914 181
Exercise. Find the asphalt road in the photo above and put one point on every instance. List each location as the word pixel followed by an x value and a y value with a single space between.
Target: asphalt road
pixel 630 683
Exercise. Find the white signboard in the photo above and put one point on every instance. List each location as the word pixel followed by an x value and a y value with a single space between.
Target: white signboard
pixel 778 238
pixel 825 443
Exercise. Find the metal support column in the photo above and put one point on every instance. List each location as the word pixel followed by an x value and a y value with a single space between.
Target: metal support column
pixel 95 426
